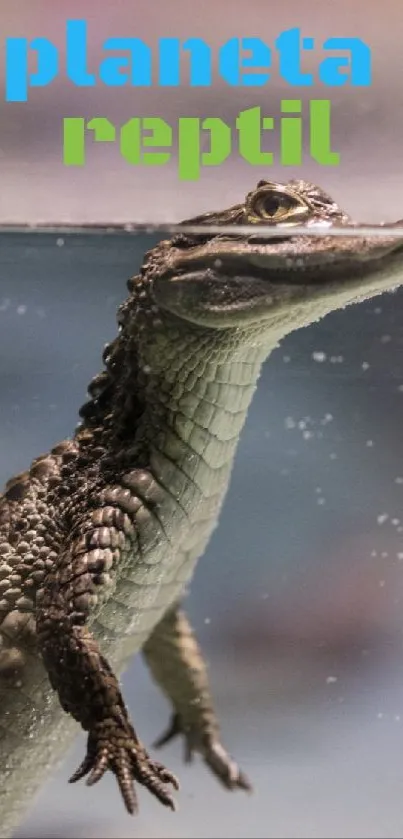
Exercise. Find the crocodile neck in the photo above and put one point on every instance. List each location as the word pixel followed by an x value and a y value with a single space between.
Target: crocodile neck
pixel 195 417
pixel 193 389
pixel 200 384
pixel 177 390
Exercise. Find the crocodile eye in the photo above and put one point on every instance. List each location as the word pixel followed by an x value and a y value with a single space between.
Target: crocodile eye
pixel 275 205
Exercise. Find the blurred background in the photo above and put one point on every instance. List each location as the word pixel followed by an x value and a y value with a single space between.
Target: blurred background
pixel 298 600
pixel 366 123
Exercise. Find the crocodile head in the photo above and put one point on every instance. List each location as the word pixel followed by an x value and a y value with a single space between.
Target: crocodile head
pixel 235 279
pixel 242 288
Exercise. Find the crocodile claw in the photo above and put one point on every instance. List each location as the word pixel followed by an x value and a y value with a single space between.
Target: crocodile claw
pixel 115 747
pixel 212 752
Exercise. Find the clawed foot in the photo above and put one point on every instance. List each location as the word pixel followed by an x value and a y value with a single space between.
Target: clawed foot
pixel 213 753
pixel 114 746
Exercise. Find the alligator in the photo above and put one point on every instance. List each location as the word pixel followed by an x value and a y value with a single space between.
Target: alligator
pixel 100 537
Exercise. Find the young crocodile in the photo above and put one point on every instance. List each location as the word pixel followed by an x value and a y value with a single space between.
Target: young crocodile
pixel 99 538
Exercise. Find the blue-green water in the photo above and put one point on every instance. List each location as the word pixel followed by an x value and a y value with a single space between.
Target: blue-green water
pixel 297 601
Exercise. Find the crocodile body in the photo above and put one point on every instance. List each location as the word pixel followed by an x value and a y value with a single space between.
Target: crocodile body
pixel 99 538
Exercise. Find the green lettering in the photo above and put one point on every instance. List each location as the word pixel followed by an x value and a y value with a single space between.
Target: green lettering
pixel 320 140
pixel 291 133
pixel 74 137
pixel 132 142
pixel 250 124
pixel 189 155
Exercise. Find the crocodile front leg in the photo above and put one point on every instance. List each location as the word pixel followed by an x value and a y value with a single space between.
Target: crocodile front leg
pixel 177 665
pixel 83 678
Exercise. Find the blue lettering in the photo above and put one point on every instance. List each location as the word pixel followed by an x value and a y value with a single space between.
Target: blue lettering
pixel 141 71
pixel 359 62
pixel 17 77
pixel 76 54
pixel 200 62
pixel 288 45
pixel 244 62
pixel 230 61
pixel 200 72
pixel 169 62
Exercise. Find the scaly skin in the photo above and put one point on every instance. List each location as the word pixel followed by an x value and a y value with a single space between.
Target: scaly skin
pixel 99 538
